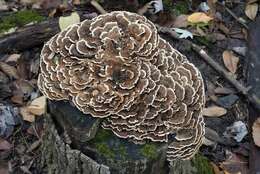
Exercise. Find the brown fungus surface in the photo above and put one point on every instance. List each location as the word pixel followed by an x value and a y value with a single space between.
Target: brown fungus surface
pixel 118 68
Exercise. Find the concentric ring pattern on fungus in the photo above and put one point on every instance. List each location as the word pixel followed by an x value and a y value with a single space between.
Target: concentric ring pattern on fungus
pixel 118 68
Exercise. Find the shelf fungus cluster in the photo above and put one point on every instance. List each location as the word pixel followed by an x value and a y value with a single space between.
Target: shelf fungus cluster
pixel 118 68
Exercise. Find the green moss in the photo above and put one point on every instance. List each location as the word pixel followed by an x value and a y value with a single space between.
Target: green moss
pixel 149 151
pixel 105 150
pixel 99 142
pixel 180 7
pixel 167 3
pixel 202 164
pixel 122 152
pixel 102 135
pixel 19 19
pixel 204 40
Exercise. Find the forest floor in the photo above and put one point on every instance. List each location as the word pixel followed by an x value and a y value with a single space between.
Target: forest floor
pixel 220 28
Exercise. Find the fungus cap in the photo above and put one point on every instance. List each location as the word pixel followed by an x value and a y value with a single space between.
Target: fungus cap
pixel 118 68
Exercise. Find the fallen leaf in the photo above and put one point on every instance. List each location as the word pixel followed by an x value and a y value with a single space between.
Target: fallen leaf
pixel 18 99
pixel 204 6
pixel 64 22
pixel 240 50
pixel 9 70
pixel 212 135
pixel 4 168
pixel 13 58
pixel 208 142
pixel 237 131
pixel 24 86
pixel 48 4
pixel 230 61
pixel 5 145
pixel 181 21
pixel 256 132
pixel 199 17
pixel 223 28
pixel 214 111
pixel 223 90
pixel 235 164
pixel 183 33
pixel 251 10
pixel 76 2
pixel 218 36
pixel 155 6
pixel 251 1
pixel 27 116
pixel 9 117
pixel 38 106
pixel 3 6
pixel 215 168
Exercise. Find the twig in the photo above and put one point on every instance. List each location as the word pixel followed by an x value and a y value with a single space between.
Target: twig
pixel 99 8
pixel 233 15
pixel 229 77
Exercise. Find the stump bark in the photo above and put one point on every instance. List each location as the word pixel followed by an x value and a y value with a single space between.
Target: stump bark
pixel 74 143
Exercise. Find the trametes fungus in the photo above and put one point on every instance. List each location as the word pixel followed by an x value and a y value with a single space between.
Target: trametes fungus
pixel 118 68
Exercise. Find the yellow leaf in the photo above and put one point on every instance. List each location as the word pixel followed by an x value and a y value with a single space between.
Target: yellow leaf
pixel 38 106
pixel 214 111
pixel 251 10
pixel 198 17
pixel 230 61
pixel 27 116
pixel 64 22
pixel 256 132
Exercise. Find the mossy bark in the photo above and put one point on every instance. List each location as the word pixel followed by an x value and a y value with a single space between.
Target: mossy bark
pixel 59 158
pixel 75 143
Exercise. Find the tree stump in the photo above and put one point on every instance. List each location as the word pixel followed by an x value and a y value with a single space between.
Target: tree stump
pixel 74 142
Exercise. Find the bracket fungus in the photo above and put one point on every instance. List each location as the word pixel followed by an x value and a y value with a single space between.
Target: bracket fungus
pixel 118 68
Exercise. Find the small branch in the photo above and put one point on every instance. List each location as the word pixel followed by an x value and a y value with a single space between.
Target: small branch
pixel 228 76
pixel 31 36
pixel 99 8
pixel 233 15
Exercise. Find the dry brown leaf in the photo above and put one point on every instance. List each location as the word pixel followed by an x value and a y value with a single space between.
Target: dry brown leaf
pixel 256 132
pixel 223 28
pixel 25 86
pixel 235 164
pixel 13 58
pixel 251 10
pixel 76 2
pixel 27 116
pixel 38 106
pixel 230 61
pixel 181 21
pixel 215 168
pixel 214 111
pixel 18 99
pixel 4 145
pixel 4 168
pixel 9 70
pixel 198 17
pixel 218 36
